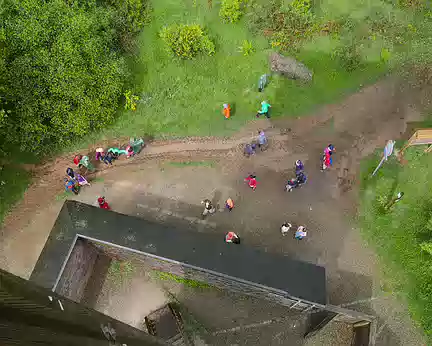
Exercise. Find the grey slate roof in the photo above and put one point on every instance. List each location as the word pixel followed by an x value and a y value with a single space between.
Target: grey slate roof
pixel 206 251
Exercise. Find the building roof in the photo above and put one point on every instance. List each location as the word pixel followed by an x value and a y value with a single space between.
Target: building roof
pixel 206 251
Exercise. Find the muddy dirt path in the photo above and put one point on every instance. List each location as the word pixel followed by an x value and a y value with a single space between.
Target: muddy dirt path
pixel 148 186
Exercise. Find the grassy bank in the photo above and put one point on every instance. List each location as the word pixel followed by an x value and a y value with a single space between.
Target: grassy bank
pixel 185 97
pixel 13 183
pixel 402 235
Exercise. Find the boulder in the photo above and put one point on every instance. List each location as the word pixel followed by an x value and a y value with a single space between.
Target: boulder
pixel 289 67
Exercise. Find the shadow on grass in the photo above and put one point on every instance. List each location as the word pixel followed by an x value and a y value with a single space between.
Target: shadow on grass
pixel 13 183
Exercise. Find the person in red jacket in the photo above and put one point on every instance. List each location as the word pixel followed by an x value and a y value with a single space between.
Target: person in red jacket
pixel 103 204
pixel 251 181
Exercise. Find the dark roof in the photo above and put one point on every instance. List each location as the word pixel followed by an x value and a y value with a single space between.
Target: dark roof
pixel 206 251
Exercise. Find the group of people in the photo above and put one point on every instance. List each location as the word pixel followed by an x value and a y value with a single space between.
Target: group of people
pixel 74 181
pixel 259 143
pixel 112 154
pixel 209 208
pixel 299 234
pixel 252 182
pixel 299 179
pixel 265 110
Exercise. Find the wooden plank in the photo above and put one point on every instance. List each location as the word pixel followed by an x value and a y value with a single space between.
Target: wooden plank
pixel 424 132
pixel 423 141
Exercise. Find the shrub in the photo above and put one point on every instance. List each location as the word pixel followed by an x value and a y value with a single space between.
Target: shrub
pixel 288 25
pixel 247 48
pixel 131 15
pixel 131 101
pixel 187 41
pixel 62 77
pixel 348 56
pixel 231 10
pixel 301 7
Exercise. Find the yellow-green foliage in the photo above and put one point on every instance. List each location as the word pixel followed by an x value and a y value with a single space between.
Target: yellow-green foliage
pixel 247 48
pixel 231 10
pixel 131 101
pixel 187 41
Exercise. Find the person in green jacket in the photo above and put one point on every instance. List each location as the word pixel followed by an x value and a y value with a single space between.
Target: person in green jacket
pixel 265 109
pixel 85 161
pixel 117 152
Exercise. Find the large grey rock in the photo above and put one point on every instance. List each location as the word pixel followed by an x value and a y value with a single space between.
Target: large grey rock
pixel 289 67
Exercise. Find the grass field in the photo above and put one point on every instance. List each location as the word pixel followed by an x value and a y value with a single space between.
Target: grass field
pixel 13 183
pixel 402 235
pixel 185 97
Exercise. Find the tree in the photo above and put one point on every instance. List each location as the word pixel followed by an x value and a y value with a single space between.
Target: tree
pixel 62 76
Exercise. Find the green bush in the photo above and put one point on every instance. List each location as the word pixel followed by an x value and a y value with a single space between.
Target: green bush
pixel 62 75
pixel 301 7
pixel 187 41
pixel 348 56
pixel 131 15
pixel 286 25
pixel 129 19
pixel 231 10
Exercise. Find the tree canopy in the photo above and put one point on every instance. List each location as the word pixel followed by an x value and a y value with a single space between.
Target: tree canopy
pixel 61 72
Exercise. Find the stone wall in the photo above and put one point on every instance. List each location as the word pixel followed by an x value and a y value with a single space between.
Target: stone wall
pixel 78 270
pixel 203 275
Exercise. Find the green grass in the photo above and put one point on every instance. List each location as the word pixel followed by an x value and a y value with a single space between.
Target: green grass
pixel 63 196
pixel 179 279
pixel 397 234
pixel 120 271
pixel 192 164
pixel 185 97
pixel 13 183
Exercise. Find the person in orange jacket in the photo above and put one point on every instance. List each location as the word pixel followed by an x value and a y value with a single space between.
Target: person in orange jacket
pixel 229 204
pixel 226 110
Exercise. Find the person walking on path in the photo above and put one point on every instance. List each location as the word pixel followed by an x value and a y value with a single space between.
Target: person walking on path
pixel 299 167
pixel 103 204
pixel 251 181
pixel 265 109
pixel 262 139
pixel 327 158
pixel 231 237
pixel 208 207
pixel 249 150
pixel 286 226
pixel 229 204
pixel 300 233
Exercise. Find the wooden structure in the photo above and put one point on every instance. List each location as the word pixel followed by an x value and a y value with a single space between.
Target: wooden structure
pixel 420 137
